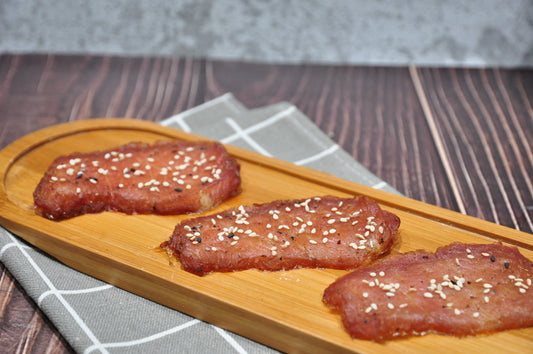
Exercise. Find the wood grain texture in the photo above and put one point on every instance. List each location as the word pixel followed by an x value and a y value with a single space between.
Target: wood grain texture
pixel 24 329
pixel 456 138
pixel 483 119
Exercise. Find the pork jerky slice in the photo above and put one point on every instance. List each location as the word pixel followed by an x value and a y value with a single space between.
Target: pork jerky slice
pixel 327 232
pixel 167 177
pixel 461 290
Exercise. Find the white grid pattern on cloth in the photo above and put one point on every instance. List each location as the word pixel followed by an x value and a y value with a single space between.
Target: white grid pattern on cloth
pixel 223 110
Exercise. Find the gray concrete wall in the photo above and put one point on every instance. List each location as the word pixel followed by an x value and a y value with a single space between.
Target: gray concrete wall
pixel 387 32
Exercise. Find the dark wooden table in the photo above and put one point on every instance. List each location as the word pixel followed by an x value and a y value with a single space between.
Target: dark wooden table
pixel 457 138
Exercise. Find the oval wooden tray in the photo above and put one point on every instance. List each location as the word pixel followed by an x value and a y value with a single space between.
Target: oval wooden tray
pixel 280 309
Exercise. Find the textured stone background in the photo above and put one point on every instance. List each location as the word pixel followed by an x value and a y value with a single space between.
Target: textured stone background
pixel 424 32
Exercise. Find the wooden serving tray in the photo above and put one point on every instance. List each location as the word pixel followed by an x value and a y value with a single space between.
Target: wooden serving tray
pixel 280 309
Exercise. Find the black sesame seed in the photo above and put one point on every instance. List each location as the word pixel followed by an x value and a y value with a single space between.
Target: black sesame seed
pixel 231 235
pixel 178 189
pixel 199 239
pixel 425 257
pixel 79 175
pixel 506 264
pixel 492 258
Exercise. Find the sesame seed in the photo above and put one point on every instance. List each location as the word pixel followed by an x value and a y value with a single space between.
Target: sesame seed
pixel 475 314
pixel 313 242
pixel 390 306
pixel 428 295
pixel 457 311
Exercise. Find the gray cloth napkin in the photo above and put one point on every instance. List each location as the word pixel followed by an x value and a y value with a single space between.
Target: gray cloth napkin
pixel 94 316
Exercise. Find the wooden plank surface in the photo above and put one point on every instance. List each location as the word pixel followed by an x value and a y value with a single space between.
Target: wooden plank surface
pixel 413 114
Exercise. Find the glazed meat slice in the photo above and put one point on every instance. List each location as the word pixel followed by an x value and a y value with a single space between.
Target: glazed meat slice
pixel 327 232
pixel 167 177
pixel 461 290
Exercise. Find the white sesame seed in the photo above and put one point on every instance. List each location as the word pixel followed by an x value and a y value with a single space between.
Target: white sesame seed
pixel 457 311
pixel 428 295
pixel 475 314
pixel 313 242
